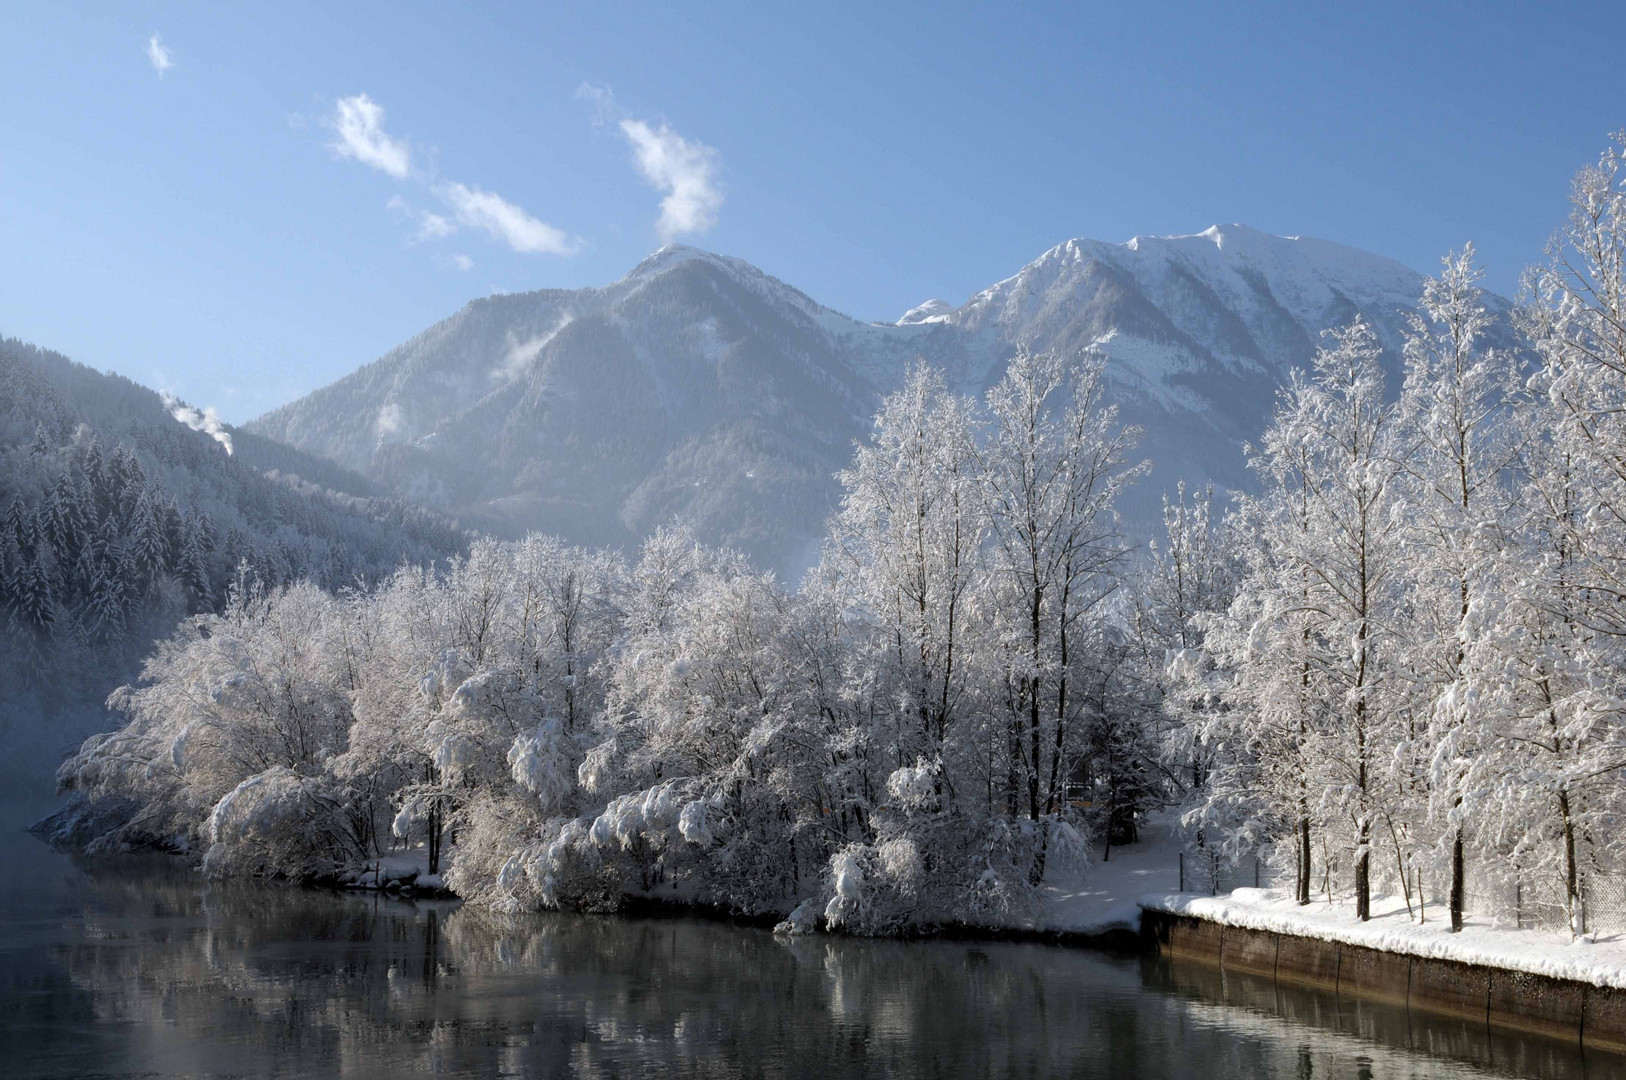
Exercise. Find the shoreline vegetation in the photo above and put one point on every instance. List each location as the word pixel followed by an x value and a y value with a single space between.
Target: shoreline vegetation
pixel 1393 669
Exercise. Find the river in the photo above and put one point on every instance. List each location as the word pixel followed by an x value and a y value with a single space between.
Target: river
pixel 137 967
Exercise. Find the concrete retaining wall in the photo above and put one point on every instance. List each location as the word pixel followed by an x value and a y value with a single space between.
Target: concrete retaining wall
pixel 1503 1001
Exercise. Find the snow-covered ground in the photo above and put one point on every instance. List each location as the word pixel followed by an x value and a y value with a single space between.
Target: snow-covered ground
pixel 409 869
pixel 1597 960
pixel 1108 894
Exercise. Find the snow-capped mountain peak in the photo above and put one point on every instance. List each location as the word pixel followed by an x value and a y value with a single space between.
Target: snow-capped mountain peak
pixel 673 255
pixel 931 311
pixel 700 386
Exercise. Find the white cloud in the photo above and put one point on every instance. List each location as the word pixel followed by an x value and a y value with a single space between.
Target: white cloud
pixel 359 121
pixel 159 55
pixel 504 221
pixel 205 421
pixel 602 100
pixel 681 168
pixel 389 421
pixel 431 226
pixel 686 170
pixel 520 354
pixel 434 226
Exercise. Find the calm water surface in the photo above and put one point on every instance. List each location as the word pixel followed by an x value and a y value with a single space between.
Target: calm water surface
pixel 136 968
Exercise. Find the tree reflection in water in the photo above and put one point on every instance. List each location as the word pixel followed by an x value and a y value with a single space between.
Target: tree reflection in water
pixel 142 968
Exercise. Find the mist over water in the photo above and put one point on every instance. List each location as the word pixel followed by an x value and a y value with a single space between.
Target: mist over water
pixel 140 967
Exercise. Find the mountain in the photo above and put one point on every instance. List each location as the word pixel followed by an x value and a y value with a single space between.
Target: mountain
pixel 698 386
pixel 1200 331
pixel 695 386
pixel 122 511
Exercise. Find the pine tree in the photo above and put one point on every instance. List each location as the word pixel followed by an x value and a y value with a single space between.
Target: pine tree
pixel 148 544
pixel 64 518
pixel 193 568
pixel 108 606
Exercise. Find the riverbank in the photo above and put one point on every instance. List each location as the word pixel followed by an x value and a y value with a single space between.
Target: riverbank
pixel 138 967
pixel 1513 981
pixel 1393 928
pixel 1117 903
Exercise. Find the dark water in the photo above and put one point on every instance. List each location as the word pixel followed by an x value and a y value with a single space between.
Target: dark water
pixel 140 969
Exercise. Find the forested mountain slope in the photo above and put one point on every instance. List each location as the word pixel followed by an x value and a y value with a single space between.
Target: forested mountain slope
pixel 117 519
pixel 700 387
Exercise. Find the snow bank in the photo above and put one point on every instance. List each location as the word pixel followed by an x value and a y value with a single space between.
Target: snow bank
pixel 404 871
pixel 1106 896
pixel 1601 962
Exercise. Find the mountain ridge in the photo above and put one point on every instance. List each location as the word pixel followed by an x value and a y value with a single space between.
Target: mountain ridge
pixel 736 396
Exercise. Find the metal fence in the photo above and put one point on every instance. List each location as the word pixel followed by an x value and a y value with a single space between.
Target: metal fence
pixel 1533 902
pixel 1205 870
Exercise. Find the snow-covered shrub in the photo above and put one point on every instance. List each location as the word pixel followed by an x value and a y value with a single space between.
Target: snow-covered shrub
pixel 496 834
pixel 277 822
pixel 913 787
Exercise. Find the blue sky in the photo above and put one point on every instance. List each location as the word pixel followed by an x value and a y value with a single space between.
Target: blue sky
pixel 299 189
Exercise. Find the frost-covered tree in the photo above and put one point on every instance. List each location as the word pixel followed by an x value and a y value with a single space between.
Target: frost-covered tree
pixel 1458 448
pixel 1188 573
pixel 1314 638
pixel 906 549
pixel 1562 640
pixel 1052 467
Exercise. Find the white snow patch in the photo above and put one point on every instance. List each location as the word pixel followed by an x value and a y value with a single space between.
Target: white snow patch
pixel 932 311
pixel 1599 961
pixel 1107 895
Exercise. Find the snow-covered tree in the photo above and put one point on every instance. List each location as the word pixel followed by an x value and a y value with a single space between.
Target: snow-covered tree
pixel 906 548
pixel 1458 448
pixel 1053 465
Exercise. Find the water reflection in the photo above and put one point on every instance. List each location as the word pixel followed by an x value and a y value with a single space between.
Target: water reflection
pixel 1253 1005
pixel 142 969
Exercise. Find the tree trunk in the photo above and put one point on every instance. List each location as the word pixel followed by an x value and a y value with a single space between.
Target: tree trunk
pixel 434 837
pixel 1458 882
pixel 1035 734
pixel 1303 891
pixel 1572 891
pixel 1363 874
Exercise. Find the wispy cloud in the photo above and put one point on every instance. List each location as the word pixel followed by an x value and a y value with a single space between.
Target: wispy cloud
pixel 435 226
pixel 521 354
pixel 504 221
pixel 389 421
pixel 159 55
pixel 601 99
pixel 359 122
pixel 431 226
pixel 682 168
pixel 205 420
pixel 685 169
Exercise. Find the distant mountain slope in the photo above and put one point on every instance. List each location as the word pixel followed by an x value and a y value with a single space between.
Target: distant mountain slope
pixel 696 386
pixel 116 520
pixel 700 386
pixel 1200 329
